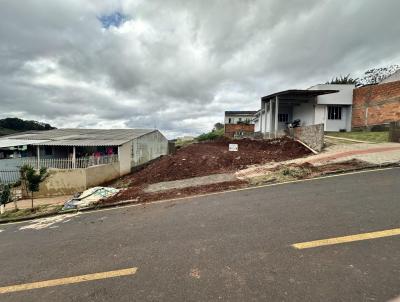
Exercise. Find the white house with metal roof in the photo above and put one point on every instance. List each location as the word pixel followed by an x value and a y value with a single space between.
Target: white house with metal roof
pixel 328 104
pixel 113 151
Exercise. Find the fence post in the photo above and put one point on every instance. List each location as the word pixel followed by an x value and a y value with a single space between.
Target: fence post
pixel 73 157
pixel 38 157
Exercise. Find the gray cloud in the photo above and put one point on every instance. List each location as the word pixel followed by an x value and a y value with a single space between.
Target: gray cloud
pixel 178 65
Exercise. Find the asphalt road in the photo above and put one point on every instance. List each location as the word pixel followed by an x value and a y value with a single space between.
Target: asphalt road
pixel 233 246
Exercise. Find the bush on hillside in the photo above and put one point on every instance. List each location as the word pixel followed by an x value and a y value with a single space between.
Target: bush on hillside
pixel 211 135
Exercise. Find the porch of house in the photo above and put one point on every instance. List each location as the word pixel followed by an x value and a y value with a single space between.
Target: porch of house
pixel 79 160
pixel 73 157
pixel 61 157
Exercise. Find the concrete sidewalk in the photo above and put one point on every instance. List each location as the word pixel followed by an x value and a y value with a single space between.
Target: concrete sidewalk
pixel 374 154
pixel 190 182
pixel 26 203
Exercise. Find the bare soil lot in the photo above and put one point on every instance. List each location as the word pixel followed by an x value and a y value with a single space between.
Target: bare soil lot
pixel 213 157
pixel 207 158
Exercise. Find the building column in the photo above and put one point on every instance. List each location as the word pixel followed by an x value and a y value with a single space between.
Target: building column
pixel 261 119
pixel 38 157
pixel 270 118
pixel 73 157
pixel 265 110
pixel 276 115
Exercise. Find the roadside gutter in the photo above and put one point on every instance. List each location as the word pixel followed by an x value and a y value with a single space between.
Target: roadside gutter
pixel 135 201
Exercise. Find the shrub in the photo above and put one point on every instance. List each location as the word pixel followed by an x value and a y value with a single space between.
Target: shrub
pixel 32 178
pixel 211 135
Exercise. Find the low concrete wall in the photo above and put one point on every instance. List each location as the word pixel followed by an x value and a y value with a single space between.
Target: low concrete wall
pixel 63 182
pixel 312 136
pixel 394 132
pixel 98 175
pixel 67 182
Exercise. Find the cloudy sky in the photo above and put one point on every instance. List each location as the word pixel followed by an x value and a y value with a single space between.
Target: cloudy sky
pixel 178 65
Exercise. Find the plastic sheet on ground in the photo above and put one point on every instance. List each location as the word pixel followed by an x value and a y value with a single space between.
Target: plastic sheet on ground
pixel 89 197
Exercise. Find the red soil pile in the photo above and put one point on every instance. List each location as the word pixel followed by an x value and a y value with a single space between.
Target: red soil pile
pixel 202 159
pixel 213 157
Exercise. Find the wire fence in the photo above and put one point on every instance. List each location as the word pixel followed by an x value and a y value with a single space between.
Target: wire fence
pixel 9 176
pixel 69 163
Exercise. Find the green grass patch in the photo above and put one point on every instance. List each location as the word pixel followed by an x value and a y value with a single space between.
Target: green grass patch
pixel 368 136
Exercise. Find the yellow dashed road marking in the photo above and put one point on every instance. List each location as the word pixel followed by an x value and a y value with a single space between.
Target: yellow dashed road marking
pixel 346 239
pixel 69 280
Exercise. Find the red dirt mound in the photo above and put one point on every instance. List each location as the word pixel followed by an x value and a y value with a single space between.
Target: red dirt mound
pixel 213 157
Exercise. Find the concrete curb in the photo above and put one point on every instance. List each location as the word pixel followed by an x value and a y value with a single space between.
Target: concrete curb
pixel 123 203
pixel 350 139
pixel 369 167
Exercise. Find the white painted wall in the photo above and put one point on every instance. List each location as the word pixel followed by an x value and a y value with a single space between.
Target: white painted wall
pixel 148 147
pixel 320 115
pixel 343 97
pixel 336 125
pixel 305 112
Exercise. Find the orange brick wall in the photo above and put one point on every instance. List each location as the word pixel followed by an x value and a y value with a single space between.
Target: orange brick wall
pixel 376 104
pixel 230 129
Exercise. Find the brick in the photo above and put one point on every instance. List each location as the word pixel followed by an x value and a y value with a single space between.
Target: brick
pixel 382 102
pixel 231 129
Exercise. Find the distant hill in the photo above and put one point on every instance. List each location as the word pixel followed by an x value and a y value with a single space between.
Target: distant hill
pixel 12 125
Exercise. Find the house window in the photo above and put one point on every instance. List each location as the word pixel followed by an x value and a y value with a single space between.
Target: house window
pixel 334 113
pixel 229 121
pixel 283 117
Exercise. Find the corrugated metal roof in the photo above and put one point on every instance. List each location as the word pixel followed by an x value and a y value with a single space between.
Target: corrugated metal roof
pixel 298 93
pixel 17 142
pixel 78 137
pixel 83 142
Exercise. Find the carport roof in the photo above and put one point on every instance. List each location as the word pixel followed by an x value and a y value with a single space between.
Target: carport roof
pixel 294 94
pixel 74 137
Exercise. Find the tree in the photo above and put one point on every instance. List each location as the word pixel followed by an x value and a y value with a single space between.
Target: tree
pixel 32 178
pixel 342 80
pixel 376 75
pixel 5 194
pixel 218 126
pixel 17 124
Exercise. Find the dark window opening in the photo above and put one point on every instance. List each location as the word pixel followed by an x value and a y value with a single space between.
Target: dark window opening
pixel 334 113
pixel 283 117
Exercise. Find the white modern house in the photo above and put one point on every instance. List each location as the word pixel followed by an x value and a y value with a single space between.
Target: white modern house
pixel 235 117
pixel 328 104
